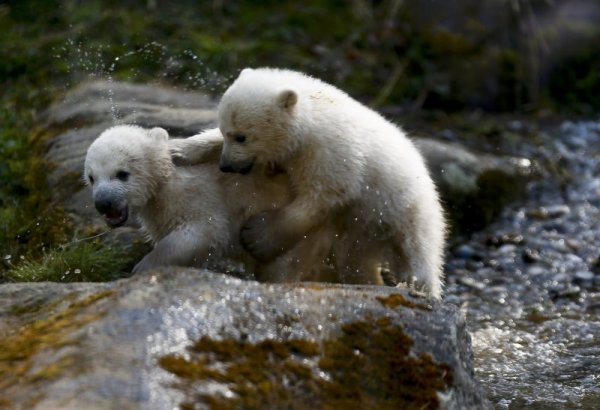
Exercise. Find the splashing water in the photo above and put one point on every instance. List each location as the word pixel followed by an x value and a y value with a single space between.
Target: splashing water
pixel 93 63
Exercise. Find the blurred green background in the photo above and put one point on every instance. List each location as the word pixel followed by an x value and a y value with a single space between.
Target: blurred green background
pixel 530 57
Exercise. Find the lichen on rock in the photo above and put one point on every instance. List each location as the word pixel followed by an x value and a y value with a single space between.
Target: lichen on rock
pixel 369 364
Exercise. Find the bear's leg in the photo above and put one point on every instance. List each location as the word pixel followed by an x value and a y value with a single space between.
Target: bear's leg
pixel 358 260
pixel 305 261
pixel 185 246
pixel 417 263
pixel 197 149
pixel 269 234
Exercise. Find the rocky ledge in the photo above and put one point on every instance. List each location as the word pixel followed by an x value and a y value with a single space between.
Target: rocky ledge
pixel 196 339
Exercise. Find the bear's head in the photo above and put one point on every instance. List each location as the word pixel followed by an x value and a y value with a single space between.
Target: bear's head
pixel 255 115
pixel 125 166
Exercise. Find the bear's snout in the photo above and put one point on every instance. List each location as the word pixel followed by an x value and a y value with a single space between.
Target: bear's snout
pixel 225 167
pixel 106 200
pixel 113 208
pixel 104 205
pixel 244 168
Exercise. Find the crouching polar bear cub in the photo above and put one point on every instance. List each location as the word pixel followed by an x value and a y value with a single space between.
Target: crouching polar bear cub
pixel 345 163
pixel 192 214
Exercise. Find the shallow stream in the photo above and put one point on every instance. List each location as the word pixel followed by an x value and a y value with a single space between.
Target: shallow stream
pixel 530 283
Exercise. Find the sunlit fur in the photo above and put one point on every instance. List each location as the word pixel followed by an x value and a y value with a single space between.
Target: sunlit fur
pixel 192 214
pixel 345 161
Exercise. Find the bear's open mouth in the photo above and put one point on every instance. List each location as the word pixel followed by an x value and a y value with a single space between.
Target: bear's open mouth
pixel 116 217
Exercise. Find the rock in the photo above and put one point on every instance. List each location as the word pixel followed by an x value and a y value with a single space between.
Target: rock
pixel 474 265
pixel 182 112
pixel 475 187
pixel 184 337
pixel 571 292
pixel 584 278
pixel 506 249
pixel 594 308
pixel 471 283
pixel 596 266
pixel 536 271
pixel 573 244
pixel 465 251
pixel 507 238
pixel 530 255
pixel 549 212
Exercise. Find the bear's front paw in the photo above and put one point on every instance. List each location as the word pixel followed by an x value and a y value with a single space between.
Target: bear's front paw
pixel 258 237
pixel 178 151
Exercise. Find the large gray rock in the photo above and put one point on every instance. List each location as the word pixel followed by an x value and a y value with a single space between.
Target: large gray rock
pixel 196 339
pixel 475 187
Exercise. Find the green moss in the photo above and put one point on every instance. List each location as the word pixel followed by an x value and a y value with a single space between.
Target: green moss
pixel 19 349
pixel 369 365
pixel 32 222
pixel 87 262
pixel 396 299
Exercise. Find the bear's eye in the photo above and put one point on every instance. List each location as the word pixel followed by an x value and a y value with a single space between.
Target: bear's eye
pixel 122 175
pixel 241 138
pixel 91 178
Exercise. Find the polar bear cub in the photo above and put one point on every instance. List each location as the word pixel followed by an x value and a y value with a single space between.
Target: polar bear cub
pixel 192 214
pixel 346 163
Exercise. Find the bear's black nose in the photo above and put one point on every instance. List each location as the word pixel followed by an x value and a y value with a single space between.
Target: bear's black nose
pixel 103 205
pixel 224 167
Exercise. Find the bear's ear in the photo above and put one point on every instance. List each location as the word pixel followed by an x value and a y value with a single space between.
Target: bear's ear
pixel 246 71
pixel 159 134
pixel 287 99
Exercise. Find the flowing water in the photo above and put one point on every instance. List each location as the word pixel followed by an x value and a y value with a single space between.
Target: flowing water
pixel 530 283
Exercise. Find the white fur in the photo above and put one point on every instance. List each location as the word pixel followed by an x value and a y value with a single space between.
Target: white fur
pixel 345 162
pixel 192 214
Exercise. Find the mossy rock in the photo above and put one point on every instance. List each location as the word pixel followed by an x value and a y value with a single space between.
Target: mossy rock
pixel 195 339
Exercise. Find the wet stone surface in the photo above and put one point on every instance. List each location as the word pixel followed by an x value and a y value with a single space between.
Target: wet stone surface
pixel 196 339
pixel 530 284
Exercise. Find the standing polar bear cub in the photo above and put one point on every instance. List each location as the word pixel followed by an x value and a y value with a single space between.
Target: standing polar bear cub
pixel 346 164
